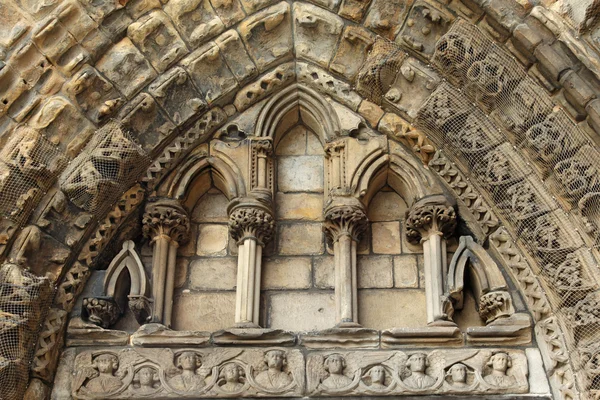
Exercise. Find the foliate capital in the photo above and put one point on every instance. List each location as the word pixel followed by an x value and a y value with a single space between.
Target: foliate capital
pixel 166 217
pixel 432 215
pixel 345 216
pixel 251 220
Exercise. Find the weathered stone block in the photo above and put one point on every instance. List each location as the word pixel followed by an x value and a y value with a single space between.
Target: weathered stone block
pixel 181 272
pixel 268 35
pixel 354 9
pixel 293 143
pixel 211 311
pixel 251 6
pixel 157 38
pixel 212 207
pixel 175 92
pixel 235 55
pixel 299 206
pixel 213 273
pixel 324 271
pixel 286 273
pixel 300 174
pixel 230 11
pixel 196 19
pixel 299 239
pixel 302 311
pixel 385 237
pixel 272 81
pixel 386 16
pixel 577 92
pixel 146 122
pixel 316 33
pixel 406 273
pixel 375 272
pixel 424 26
pixel 327 84
pixel 212 240
pixel 390 308
pixel 386 206
pixel 552 63
pixel 210 72
pixel 352 51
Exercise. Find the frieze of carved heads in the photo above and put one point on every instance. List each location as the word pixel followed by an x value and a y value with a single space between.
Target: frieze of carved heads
pixel 430 215
pixel 103 312
pixel 345 218
pixel 187 373
pixel 166 217
pixel 251 221
pixel 396 373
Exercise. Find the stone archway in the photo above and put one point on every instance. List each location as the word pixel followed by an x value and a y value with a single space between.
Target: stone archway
pixel 56 97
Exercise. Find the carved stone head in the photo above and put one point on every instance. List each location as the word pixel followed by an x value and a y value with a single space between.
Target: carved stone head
pixel 335 364
pixel 106 363
pixel 188 361
pixel 418 362
pixel 275 359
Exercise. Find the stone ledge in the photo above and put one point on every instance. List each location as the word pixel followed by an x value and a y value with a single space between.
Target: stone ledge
pixel 425 336
pixel 254 337
pixel 341 337
pixel 152 335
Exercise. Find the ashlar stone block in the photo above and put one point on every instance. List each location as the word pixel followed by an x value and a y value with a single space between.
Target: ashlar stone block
pixel 212 240
pixel 286 273
pixel 375 272
pixel 386 237
pixel 211 311
pixel 212 207
pixel 235 55
pixel 303 311
pixel 268 35
pixel 386 206
pixel 175 92
pixel 300 239
pixel 196 19
pixel 126 67
pixel 210 72
pixel 157 38
pixel 406 273
pixel 213 273
pixel 387 308
pixel 324 271
pixel 300 174
pixel 299 206
pixel 316 32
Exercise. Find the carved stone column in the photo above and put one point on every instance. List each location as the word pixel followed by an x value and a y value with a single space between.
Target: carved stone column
pixel 345 222
pixel 167 225
pixel 251 224
pixel 430 221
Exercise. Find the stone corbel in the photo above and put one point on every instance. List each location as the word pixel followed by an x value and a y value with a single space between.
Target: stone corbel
pixel 431 221
pixel 345 222
pixel 166 224
pixel 251 225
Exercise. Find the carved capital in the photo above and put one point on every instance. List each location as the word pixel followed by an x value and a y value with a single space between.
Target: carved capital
pixel 166 217
pixel 253 221
pixel 345 217
pixel 494 305
pixel 429 216
pixel 103 312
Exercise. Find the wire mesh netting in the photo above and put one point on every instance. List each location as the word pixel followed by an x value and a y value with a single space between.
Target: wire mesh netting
pixel 109 165
pixel 29 164
pixel 23 296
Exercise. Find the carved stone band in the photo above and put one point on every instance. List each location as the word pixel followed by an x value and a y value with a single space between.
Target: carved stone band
pixel 251 222
pixel 430 215
pixel 166 217
pixel 345 219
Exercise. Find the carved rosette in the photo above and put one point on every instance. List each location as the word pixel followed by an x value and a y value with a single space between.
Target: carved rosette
pixel 103 312
pixel 428 216
pixel 346 219
pixel 166 217
pixel 251 222
pixel 494 305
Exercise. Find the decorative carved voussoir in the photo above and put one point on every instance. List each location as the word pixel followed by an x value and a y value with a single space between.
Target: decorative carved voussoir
pixel 345 219
pixel 430 215
pixel 247 221
pixel 166 217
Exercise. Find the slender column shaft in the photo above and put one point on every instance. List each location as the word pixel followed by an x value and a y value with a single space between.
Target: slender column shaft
pixel 159 269
pixel 433 257
pixel 345 285
pixel 170 283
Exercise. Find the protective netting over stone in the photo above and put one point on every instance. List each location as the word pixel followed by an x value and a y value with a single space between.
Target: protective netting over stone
pixel 109 165
pixel 497 115
pixel 23 296
pixel 29 164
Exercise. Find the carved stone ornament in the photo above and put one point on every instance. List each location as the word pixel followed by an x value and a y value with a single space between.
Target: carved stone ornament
pixel 166 217
pixel 345 218
pixel 249 221
pixel 187 373
pixel 493 305
pixel 141 308
pixel 103 312
pixel 430 215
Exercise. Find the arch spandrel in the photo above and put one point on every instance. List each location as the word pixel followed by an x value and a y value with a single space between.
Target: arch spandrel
pixel 539 220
